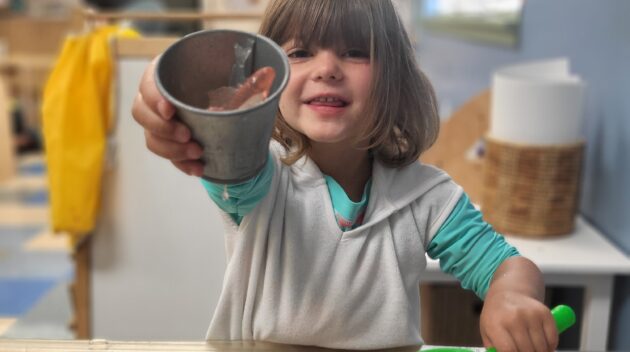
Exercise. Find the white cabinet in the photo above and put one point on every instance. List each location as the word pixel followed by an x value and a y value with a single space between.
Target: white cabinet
pixel 158 252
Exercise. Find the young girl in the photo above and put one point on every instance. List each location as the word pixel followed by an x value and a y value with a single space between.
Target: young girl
pixel 326 246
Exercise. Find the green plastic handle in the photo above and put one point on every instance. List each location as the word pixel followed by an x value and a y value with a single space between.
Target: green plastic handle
pixel 564 317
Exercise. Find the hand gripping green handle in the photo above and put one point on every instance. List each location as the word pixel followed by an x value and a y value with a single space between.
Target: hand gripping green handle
pixel 564 317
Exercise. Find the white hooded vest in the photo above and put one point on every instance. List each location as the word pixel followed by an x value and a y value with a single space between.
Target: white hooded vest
pixel 294 277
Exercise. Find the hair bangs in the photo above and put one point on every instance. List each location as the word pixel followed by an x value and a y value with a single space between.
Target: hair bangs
pixel 328 24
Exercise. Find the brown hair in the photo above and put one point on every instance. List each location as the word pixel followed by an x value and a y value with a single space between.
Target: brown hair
pixel 402 113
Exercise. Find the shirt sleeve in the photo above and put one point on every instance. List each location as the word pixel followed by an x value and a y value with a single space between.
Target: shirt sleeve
pixel 468 248
pixel 238 200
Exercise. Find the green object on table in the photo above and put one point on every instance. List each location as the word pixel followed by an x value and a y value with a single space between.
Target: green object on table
pixel 563 315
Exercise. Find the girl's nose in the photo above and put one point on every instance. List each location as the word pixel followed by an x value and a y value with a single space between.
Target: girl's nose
pixel 327 67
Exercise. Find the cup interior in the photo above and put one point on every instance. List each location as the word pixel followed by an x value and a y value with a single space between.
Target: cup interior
pixel 204 60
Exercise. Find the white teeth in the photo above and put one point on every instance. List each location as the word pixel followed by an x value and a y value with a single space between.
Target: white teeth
pixel 326 99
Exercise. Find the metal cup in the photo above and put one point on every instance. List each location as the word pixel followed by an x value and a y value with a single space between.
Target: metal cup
pixel 235 143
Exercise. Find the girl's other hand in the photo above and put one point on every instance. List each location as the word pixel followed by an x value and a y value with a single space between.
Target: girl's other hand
pixel 165 136
pixel 513 319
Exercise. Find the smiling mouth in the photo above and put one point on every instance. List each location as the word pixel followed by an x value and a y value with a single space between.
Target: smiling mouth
pixel 328 101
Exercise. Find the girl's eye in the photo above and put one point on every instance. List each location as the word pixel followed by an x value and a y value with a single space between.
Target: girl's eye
pixel 357 54
pixel 298 54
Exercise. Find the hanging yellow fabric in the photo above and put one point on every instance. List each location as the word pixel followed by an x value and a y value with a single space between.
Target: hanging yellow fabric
pixel 77 114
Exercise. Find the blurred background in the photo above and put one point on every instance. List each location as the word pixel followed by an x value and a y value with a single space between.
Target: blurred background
pixel 151 266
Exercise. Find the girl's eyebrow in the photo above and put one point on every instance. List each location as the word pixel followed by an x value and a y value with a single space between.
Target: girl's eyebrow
pixel 291 43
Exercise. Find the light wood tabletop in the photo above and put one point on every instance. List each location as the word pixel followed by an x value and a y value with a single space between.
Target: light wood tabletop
pixel 28 345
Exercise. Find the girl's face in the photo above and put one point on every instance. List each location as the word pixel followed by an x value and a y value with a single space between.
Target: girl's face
pixel 327 92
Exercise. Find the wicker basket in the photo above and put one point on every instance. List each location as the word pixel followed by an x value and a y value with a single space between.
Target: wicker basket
pixel 531 190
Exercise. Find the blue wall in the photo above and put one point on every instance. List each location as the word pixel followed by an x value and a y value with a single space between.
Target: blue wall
pixel 595 36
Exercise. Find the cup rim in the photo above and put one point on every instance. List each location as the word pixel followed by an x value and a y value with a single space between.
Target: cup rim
pixel 178 103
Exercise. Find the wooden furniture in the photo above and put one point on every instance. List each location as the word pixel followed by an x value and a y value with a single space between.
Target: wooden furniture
pixel 91 15
pixel 7 152
pixel 584 258
pixel 454 150
pixel 250 25
pixel 32 45
pixel 449 315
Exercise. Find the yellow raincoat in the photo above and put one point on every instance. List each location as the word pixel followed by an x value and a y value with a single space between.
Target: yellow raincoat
pixel 77 114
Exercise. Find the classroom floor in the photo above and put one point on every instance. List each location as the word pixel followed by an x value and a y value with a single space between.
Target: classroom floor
pixel 35 265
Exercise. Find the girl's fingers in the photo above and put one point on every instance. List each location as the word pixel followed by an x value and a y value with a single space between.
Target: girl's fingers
pixel 542 330
pixel 504 342
pixel 190 167
pixel 148 87
pixel 523 342
pixel 173 151
pixel 166 129
pixel 538 340
pixel 487 342
pixel 152 96
pixel 165 109
pixel 551 333
pixel 164 136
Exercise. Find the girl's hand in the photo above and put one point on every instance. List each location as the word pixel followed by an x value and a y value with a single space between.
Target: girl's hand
pixel 513 317
pixel 164 135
